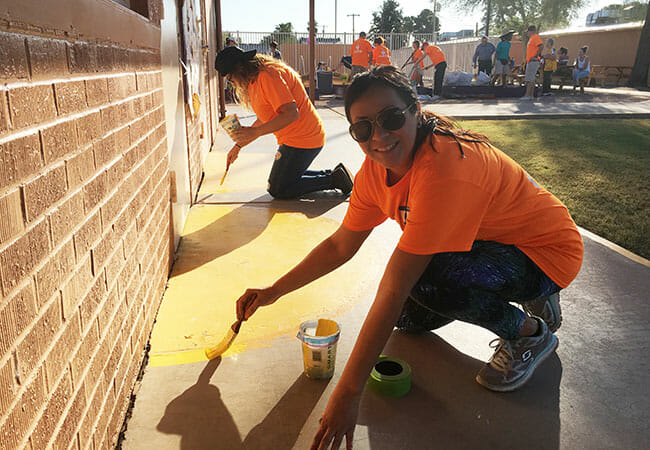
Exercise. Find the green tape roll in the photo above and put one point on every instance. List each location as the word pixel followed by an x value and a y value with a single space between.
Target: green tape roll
pixel 390 376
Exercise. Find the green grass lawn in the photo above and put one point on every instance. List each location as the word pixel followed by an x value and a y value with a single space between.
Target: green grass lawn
pixel 599 168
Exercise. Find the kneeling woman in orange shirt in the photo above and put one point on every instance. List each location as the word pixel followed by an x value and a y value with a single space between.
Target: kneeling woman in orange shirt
pixel 477 233
pixel 277 96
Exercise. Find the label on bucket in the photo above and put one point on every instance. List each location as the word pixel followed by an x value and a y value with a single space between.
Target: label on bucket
pixel 319 339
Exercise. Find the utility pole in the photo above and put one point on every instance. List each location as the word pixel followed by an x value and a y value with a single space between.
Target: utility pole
pixel 488 13
pixel 353 16
pixel 335 16
pixel 435 12
pixel 312 53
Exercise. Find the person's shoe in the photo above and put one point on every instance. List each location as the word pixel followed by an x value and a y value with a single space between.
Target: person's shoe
pixel 435 97
pixel 546 308
pixel 342 179
pixel 514 361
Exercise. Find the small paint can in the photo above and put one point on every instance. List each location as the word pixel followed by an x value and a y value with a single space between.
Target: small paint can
pixel 319 339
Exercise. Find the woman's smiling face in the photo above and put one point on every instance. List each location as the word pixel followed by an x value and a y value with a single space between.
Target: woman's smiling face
pixel 391 149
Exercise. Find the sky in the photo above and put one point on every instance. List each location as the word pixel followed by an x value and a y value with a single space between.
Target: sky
pixel 264 15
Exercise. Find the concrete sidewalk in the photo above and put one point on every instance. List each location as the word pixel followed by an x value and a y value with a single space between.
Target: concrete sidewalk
pixel 591 394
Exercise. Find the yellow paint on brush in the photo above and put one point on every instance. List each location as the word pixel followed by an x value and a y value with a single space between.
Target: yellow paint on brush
pixel 226 249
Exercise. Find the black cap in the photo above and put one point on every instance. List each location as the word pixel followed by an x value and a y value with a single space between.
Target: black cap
pixel 229 57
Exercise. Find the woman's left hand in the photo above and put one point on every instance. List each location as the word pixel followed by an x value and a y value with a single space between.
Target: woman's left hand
pixel 245 135
pixel 338 421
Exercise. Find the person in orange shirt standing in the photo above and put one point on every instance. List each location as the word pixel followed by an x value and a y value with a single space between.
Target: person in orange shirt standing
pixel 418 67
pixel 439 62
pixel 277 96
pixel 380 54
pixel 477 234
pixel 361 54
pixel 533 52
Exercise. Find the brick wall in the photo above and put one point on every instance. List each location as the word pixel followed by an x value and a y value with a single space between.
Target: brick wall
pixel 84 232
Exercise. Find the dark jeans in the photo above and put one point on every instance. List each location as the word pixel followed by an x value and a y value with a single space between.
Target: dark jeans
pixel 546 82
pixel 289 177
pixel 485 65
pixel 476 287
pixel 438 77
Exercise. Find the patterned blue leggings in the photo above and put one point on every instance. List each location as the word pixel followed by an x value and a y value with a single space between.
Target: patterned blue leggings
pixel 476 287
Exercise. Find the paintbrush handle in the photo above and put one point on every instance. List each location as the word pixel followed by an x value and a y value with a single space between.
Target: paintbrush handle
pixel 235 326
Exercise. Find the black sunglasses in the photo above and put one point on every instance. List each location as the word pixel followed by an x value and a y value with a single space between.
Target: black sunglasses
pixel 390 119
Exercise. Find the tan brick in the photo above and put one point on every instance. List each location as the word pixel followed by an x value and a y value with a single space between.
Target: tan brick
pixel 43 192
pixel 50 277
pixel 66 436
pixel 87 349
pixel 80 167
pixel 20 258
pixel 57 360
pixel 103 250
pixel 19 421
pixel 83 57
pixel 5 124
pixel 70 96
pixel 87 235
pixel 11 215
pixel 7 386
pixel 16 315
pixel 105 150
pixel 47 57
pixel 109 118
pixel 125 113
pixel 92 301
pixel 114 264
pixel 96 371
pixel 108 308
pixel 31 105
pixel 38 339
pixel 66 217
pixel 114 177
pixel 13 56
pixel 89 128
pixel 106 58
pixel 59 140
pixel 75 288
pixel 53 411
pixel 97 91
pixel 121 86
pixel 19 159
pixel 122 140
pixel 94 191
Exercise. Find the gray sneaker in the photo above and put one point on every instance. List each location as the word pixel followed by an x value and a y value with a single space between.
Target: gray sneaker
pixel 546 308
pixel 514 361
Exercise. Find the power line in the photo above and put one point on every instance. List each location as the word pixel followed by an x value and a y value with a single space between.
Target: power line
pixel 353 16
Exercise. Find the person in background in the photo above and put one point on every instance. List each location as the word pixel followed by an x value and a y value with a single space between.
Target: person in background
pixel 361 54
pixel 230 42
pixel 564 71
pixel 438 61
pixel 274 50
pixel 533 52
pixel 274 91
pixel 380 54
pixel 478 233
pixel 483 54
pixel 581 70
pixel 550 66
pixel 502 59
pixel 416 71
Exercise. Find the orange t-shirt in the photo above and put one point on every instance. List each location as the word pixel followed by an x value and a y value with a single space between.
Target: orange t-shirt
pixel 435 54
pixel 381 56
pixel 417 54
pixel 444 203
pixel 531 48
pixel 361 50
pixel 273 88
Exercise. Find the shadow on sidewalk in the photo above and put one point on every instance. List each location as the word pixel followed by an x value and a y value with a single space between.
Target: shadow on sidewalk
pixel 446 408
pixel 203 421
pixel 242 225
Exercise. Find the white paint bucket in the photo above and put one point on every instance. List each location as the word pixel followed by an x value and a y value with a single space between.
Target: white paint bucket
pixel 319 339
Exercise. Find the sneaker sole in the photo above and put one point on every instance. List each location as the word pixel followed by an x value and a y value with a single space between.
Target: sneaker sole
pixel 550 348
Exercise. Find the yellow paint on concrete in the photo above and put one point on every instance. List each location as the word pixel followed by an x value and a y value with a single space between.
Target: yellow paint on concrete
pixel 249 172
pixel 226 249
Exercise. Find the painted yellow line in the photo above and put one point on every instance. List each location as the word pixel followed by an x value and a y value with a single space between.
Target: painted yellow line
pixel 226 249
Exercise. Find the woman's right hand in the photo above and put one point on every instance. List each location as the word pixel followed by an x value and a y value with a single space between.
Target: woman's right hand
pixel 252 299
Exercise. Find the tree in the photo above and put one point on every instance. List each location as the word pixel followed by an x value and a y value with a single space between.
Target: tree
pixel 518 15
pixel 422 23
pixel 388 19
pixel 282 34
pixel 639 75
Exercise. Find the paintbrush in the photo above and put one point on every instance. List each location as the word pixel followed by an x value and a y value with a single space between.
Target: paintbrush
pixel 224 174
pixel 221 347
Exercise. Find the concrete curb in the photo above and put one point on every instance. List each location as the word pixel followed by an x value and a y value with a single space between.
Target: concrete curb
pixel 615 247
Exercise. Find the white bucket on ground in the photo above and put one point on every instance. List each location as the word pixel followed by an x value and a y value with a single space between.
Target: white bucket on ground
pixel 319 339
